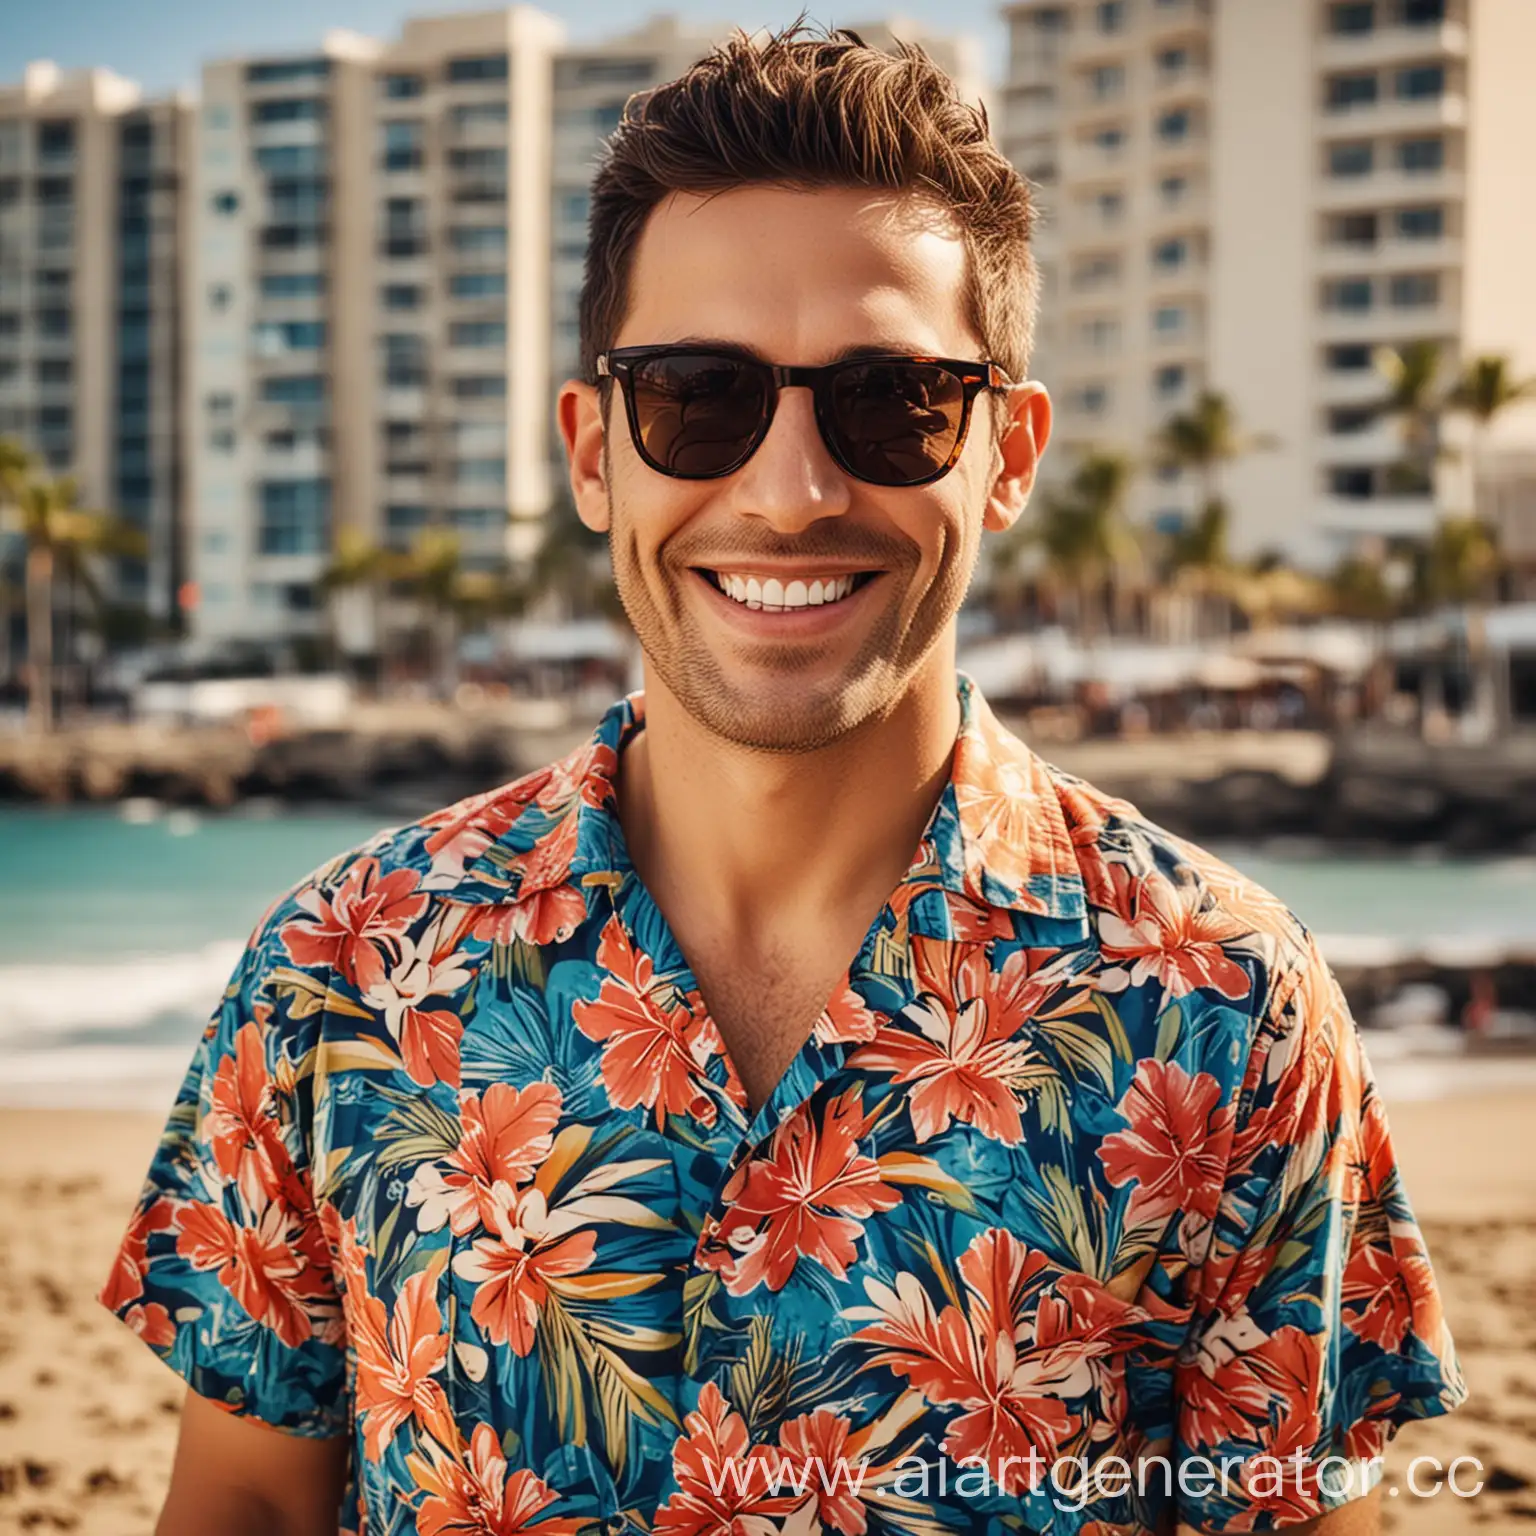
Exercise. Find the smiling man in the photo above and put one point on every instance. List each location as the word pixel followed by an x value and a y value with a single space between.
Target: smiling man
pixel 802 1109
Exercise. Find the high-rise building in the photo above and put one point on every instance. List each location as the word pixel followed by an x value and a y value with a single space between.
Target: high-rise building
pixel 1253 198
pixel 368 305
pixel 90 247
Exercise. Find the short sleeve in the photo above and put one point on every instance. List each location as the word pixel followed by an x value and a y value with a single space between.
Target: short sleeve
pixel 1318 1326
pixel 224 1270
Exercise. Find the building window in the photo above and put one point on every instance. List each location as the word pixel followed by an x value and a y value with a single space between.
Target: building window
pixel 1352 19
pixel 1109 15
pixel 290 159
pixel 1169 381
pixel 574 207
pixel 1174 126
pixel 480 471
pixel 54 324
pixel 1346 419
pixel 1101 334
pixel 292 285
pixel 1415 290
pixel 1109 206
pixel 402 141
pixel 400 296
pixel 1352 295
pixel 479 386
pixel 1107 81
pixel 288 109
pixel 1354 159
pixel 401 87
pixel 1414 155
pixel 1353 482
pixel 1346 91
pixel 55 370
pixel 273 338
pixel 225 203
pixel 1421 82
pixel 481 239
pixel 1172 190
pixel 56 139
pixel 294 389
pixel 1169 255
pixel 1169 319
pixel 405 517
pixel 1420 223
pixel 278 70
pixel 295 517
pixel 1354 229
pixel 1349 357
pixel 1109 140
pixel 479 518
pixel 1421 13
pixel 405 361
pixel 477 333
pixel 1096 271
pixel 222 440
pixel 487 66
pixel 477 285
pixel 1172 62
pixel 220 297
pixel 1091 399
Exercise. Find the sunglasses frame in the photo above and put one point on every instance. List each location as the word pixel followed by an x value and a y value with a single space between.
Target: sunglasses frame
pixel 973 377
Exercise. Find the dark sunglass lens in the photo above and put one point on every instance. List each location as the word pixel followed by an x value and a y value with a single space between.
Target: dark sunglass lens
pixel 698 415
pixel 896 423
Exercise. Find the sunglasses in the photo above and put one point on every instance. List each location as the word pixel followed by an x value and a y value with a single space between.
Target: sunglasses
pixel 695 414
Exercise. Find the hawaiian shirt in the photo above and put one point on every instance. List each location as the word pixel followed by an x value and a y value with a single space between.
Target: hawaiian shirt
pixel 1082 1165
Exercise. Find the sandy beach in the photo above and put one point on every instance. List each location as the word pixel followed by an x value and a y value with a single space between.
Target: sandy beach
pixel 88 1416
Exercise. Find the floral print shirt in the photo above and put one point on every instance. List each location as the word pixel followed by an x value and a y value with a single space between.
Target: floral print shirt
pixel 1082 1160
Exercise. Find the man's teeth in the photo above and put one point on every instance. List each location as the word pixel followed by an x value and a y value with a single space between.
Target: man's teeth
pixel 775 595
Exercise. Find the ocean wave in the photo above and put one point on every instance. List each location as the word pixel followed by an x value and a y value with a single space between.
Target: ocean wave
pixel 121 993
pixel 123 1077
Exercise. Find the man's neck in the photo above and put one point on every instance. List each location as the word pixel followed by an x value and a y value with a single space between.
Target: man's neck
pixel 757 838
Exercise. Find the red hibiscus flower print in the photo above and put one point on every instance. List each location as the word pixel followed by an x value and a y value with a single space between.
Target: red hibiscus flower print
pixel 1385 1293
pixel 241 1125
pixel 960 1044
pixel 655 1054
pixel 504 1135
pixel 806 1197
pixel 511 1269
pixel 1028 1340
pixel 428 1038
pixel 473 1494
pixel 399 1355
pixel 125 1283
pixel 1175 1148
pixel 846 1020
pixel 552 910
pixel 152 1323
pixel 262 1266
pixel 723 1481
pixel 1171 934
pixel 358 930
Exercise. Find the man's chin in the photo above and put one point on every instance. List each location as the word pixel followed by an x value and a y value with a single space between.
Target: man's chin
pixel 791 712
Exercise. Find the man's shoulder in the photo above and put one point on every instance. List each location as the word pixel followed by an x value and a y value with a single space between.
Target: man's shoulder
pixel 1154 893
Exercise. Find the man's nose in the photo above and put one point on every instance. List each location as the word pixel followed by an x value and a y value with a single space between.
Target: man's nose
pixel 792 481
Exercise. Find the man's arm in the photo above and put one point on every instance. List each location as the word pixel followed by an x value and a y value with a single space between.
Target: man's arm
pixel 238 1477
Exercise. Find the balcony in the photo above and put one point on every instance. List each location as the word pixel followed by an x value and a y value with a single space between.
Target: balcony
pixel 1387 516
pixel 1387 326
pixel 1391 255
pixel 1392 45
pixel 1380 443
pixel 1390 186
pixel 1354 386
pixel 402 247
pixel 1169 19
pixel 1393 115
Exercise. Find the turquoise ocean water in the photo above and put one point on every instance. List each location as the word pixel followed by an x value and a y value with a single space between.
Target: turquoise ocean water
pixel 117 935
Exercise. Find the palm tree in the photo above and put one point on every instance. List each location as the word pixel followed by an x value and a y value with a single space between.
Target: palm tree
pixel 1083 534
pixel 1457 564
pixel 1414 400
pixel 16 469
pixel 572 566
pixel 1204 439
pixel 62 539
pixel 357 563
pixel 1487 387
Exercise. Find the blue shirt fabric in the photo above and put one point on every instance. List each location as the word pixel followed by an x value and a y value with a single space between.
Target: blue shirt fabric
pixel 1081 1168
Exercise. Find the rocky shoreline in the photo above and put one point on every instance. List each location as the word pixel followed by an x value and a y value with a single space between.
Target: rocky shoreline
pixel 1357 794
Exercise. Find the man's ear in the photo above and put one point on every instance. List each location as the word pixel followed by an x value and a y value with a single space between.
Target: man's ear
pixel 1026 429
pixel 579 412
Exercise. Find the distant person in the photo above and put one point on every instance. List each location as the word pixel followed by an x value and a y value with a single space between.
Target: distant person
pixel 801 1080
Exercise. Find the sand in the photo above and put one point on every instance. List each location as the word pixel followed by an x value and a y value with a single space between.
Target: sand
pixel 88 1415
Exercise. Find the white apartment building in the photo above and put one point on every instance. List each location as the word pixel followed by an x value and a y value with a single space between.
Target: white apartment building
pixel 367 300
pixel 1253 198
pixel 90 245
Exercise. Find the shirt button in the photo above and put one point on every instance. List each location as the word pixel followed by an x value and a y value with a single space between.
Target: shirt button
pixel 615 1525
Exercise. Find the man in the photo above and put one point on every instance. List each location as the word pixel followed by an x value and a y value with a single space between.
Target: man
pixel 801 1109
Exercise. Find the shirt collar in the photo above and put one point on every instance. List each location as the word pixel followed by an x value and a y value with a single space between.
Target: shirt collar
pixel 997 839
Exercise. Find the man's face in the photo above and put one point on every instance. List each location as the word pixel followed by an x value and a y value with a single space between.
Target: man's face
pixel 796 278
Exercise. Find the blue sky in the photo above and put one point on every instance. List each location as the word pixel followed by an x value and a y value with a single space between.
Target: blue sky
pixel 162 43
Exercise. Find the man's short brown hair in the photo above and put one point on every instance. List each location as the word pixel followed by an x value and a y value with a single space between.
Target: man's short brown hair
pixel 807 111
